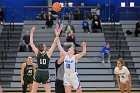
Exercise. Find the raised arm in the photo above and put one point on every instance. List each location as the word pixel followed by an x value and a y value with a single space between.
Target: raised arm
pixel 77 56
pixel 31 40
pixel 62 51
pixel 50 51
pixel 61 59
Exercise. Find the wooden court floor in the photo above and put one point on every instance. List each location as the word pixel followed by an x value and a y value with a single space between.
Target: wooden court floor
pixel 83 92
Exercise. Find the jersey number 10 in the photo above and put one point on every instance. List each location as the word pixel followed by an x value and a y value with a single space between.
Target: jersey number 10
pixel 43 61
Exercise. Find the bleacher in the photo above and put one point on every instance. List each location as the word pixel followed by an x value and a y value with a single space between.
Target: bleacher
pixel 134 47
pixel 121 47
pixel 1 29
pixel 128 25
pixel 93 74
pixel 9 43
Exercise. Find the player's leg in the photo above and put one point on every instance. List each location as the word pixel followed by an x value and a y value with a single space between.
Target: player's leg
pixel 128 87
pixel 59 87
pixel 35 87
pixel 36 82
pixel 67 83
pixel 24 88
pixel 122 87
pixel 46 81
pixel 30 87
pixel 47 87
pixel 68 89
pixel 78 90
pixel 30 83
pixel 76 83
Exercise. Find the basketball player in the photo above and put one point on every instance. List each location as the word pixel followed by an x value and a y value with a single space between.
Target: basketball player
pixel 43 57
pixel 123 76
pixel 28 70
pixel 70 71
pixel 59 87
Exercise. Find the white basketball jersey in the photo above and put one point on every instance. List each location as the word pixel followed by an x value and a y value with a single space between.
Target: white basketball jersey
pixel 69 65
pixel 123 74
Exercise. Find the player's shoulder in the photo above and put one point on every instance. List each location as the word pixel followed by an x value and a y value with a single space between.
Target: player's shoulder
pixel 23 65
pixel 33 64
pixel 116 69
pixel 124 67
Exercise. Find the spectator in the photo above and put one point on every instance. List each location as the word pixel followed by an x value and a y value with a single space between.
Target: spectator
pixel 69 28
pixel 1 16
pixel 26 43
pixel 43 15
pixel 76 14
pixel 96 24
pixel 106 52
pixel 49 20
pixel 85 26
pixel 70 40
pixel 59 25
pixel 137 28
pixel 67 16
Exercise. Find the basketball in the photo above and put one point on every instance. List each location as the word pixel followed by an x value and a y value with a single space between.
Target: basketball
pixel 56 7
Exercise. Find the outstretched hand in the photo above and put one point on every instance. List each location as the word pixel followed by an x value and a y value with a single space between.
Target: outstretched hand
pixel 33 29
pixel 57 32
pixel 84 44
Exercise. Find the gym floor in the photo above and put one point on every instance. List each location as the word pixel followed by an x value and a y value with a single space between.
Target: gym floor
pixel 83 92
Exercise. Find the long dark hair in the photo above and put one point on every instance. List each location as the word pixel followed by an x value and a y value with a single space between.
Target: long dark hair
pixel 40 49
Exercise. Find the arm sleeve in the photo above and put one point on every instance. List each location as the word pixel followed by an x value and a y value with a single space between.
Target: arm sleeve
pixel 127 71
pixel 115 71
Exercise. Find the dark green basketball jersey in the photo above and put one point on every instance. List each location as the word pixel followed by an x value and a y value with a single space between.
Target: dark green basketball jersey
pixel 43 61
pixel 28 71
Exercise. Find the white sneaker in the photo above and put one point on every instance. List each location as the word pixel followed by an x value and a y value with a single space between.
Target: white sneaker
pixel 103 61
pixel 108 61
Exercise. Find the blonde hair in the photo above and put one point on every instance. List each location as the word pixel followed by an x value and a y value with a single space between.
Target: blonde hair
pixel 121 61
